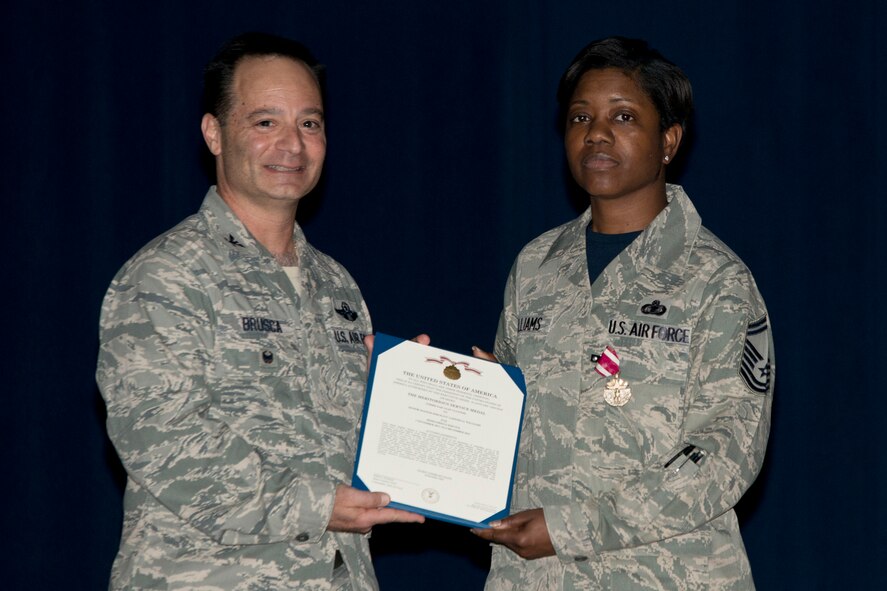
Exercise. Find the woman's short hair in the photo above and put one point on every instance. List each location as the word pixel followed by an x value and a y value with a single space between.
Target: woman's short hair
pixel 665 83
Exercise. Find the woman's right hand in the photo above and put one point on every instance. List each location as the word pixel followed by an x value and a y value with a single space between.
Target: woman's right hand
pixel 481 354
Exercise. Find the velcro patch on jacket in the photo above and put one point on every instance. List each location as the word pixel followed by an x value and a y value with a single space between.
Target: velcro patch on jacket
pixel 346 311
pixel 656 306
pixel 651 331
pixel 253 324
pixel 348 339
pixel 531 324
pixel 755 367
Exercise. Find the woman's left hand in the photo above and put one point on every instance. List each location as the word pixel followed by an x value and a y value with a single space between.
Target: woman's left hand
pixel 523 533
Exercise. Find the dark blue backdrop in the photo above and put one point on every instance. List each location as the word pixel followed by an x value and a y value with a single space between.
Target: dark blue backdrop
pixel 443 160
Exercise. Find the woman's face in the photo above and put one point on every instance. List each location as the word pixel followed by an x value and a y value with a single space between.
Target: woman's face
pixel 614 146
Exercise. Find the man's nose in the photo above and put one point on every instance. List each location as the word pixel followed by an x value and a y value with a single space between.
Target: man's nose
pixel 291 139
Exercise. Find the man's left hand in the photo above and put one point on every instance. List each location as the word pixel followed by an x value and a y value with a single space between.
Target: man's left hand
pixel 358 511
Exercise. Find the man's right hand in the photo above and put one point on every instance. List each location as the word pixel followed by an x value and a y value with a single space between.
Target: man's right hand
pixel 358 511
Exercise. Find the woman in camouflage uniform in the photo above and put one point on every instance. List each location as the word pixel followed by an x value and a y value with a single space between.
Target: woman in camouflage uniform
pixel 647 352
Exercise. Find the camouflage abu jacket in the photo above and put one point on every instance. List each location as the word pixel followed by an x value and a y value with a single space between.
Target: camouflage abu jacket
pixel 233 401
pixel 638 496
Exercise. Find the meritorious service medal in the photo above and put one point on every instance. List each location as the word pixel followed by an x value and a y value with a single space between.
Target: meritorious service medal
pixel 617 392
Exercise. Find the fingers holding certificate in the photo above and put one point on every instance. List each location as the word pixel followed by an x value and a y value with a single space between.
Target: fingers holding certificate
pixel 440 432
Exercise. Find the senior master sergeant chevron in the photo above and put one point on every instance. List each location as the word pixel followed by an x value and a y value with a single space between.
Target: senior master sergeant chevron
pixel 232 397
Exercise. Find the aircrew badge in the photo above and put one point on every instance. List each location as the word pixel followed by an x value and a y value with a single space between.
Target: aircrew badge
pixel 346 312
pixel 617 392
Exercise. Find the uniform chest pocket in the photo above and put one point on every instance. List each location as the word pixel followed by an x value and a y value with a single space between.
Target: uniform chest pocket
pixel 644 430
pixel 651 361
pixel 256 355
pixel 264 395
pixel 647 427
pixel 534 340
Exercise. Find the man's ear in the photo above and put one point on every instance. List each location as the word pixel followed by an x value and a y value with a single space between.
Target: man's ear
pixel 212 133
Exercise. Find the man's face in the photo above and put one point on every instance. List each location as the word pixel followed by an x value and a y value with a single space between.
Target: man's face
pixel 271 148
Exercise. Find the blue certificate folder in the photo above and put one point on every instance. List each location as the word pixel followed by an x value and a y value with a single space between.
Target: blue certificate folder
pixel 497 510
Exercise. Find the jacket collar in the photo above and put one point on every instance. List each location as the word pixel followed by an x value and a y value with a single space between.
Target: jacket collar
pixel 227 229
pixel 664 245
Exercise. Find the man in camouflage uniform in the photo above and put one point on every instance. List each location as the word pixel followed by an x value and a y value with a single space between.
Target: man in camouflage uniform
pixel 631 484
pixel 232 361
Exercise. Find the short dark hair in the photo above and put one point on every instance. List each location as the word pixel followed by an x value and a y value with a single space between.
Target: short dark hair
pixel 218 76
pixel 665 83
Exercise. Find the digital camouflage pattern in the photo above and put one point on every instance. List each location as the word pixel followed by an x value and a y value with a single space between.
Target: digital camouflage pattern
pixel 690 328
pixel 233 401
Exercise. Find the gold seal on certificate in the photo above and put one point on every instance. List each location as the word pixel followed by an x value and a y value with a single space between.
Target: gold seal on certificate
pixel 440 431
pixel 452 372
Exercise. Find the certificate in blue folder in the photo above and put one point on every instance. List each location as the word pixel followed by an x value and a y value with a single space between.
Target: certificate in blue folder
pixel 440 432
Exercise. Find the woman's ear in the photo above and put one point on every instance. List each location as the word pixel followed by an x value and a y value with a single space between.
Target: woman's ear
pixel 671 141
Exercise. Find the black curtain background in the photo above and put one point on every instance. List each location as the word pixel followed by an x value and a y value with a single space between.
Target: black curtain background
pixel 443 161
